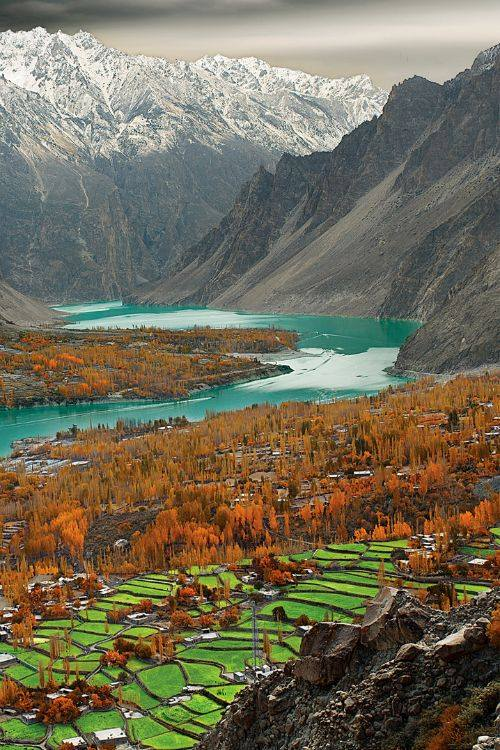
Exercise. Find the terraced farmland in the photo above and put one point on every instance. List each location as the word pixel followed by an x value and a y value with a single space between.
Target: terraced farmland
pixel 168 706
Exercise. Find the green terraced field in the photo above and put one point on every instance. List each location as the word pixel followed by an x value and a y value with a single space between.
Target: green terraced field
pixel 225 693
pixel 93 721
pixel 98 628
pixel 231 659
pixel 339 592
pixel 164 681
pixel 15 729
pixel 170 741
pixel 60 733
pixel 135 694
pixel 94 615
pixel 203 674
pixel 212 718
pixel 294 610
pixel 347 588
pixel 142 729
pixel 477 551
pixel 329 599
pixel 176 714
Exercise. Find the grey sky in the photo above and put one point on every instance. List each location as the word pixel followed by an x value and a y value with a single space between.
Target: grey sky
pixel 388 39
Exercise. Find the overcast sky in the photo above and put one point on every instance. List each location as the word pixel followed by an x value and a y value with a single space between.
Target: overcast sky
pixel 388 39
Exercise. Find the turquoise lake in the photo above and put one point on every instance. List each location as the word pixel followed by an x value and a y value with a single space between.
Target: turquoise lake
pixel 338 357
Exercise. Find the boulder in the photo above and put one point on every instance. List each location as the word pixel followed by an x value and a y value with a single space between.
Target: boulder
pixel 393 618
pixel 326 652
pixel 410 651
pixel 458 644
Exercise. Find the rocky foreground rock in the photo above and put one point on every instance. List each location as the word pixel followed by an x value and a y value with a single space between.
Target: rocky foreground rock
pixel 390 683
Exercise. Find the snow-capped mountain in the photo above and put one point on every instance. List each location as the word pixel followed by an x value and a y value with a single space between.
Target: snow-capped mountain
pixel 148 153
pixel 150 102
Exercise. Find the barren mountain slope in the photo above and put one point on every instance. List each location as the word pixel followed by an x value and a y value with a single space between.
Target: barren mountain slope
pixel 400 220
pixel 17 309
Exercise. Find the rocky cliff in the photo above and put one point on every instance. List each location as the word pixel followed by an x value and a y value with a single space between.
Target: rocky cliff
pixel 389 683
pixel 399 220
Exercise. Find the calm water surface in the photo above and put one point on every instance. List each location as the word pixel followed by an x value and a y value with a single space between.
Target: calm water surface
pixel 339 357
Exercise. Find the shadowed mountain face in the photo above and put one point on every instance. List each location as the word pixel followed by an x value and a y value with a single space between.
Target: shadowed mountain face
pixel 400 220
pixel 112 165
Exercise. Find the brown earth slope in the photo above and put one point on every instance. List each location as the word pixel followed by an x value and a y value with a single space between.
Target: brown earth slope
pixel 17 309
pixel 400 220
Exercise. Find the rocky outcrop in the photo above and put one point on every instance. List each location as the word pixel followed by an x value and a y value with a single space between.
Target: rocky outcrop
pixel 380 685
pixel 326 653
pixel 400 220
pixel 463 642
pixel 330 650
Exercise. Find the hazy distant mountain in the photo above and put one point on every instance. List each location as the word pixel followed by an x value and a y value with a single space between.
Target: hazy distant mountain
pixel 110 165
pixel 400 220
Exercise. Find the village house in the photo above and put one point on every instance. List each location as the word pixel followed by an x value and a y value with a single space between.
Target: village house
pixel 269 595
pixel 239 677
pixel 106 591
pixel 115 736
pixel 30 717
pixel 139 618
pixel 177 699
pixel 208 635
pixel 76 742
pixel 7 660
pixel 132 713
pixel 263 671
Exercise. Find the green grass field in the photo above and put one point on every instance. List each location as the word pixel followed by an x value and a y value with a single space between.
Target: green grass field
pixel 164 681
pixel 170 741
pixel 93 721
pixel 231 659
pixel 203 674
pixel 15 729
pixel 61 732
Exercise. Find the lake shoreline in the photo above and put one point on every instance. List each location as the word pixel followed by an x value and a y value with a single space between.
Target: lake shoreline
pixel 270 370
pixel 334 358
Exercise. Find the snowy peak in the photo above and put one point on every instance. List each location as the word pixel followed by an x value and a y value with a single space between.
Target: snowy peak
pixel 486 59
pixel 123 103
pixel 357 95
pixel 254 74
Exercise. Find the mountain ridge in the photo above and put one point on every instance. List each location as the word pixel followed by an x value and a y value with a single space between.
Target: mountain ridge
pixel 397 221
pixel 138 157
